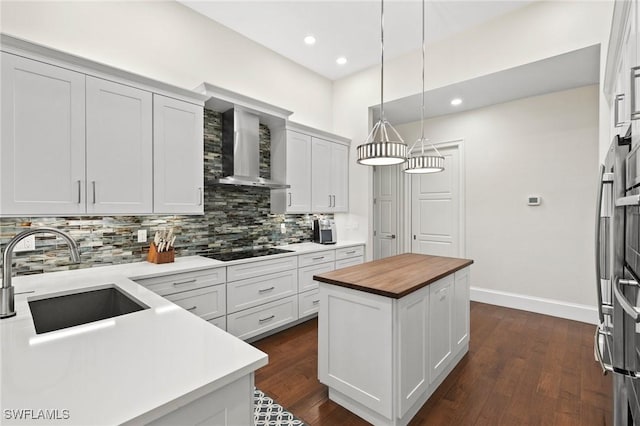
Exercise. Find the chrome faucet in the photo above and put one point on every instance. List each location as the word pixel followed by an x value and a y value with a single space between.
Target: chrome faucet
pixel 7 303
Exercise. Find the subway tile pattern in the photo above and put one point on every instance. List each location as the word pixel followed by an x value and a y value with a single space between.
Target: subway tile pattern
pixel 235 218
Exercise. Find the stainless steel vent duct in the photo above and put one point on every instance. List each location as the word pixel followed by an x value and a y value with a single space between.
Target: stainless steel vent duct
pixel 241 150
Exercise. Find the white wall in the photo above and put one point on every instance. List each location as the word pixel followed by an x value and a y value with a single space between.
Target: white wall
pixel 545 145
pixel 169 42
pixel 535 32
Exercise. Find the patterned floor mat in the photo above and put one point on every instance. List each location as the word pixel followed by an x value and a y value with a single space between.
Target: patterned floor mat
pixel 267 412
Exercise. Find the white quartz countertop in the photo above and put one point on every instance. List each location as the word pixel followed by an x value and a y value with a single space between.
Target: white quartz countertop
pixel 127 369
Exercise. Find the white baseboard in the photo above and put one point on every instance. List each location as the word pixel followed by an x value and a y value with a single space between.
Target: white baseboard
pixel 555 308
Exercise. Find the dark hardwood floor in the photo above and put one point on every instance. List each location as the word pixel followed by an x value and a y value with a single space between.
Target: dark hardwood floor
pixel 522 369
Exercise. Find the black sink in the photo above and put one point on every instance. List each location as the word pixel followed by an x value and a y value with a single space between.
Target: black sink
pixel 59 312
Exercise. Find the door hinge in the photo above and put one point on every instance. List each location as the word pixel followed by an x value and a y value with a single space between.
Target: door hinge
pixel 375 200
pixel 414 237
pixel 374 232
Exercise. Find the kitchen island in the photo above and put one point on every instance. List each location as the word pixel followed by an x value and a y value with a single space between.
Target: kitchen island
pixel 390 331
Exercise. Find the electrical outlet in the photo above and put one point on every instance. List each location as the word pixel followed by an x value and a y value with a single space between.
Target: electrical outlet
pixel 26 244
pixel 142 235
pixel 283 228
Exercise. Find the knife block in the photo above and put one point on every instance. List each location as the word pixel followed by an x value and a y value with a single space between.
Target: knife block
pixel 160 257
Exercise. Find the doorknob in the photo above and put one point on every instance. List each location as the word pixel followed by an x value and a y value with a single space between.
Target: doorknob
pixel 393 237
pixel 414 237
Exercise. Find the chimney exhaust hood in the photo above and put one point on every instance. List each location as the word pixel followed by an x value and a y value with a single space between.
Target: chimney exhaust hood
pixel 241 150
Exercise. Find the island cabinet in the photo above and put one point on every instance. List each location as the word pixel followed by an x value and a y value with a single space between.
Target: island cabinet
pixel 390 331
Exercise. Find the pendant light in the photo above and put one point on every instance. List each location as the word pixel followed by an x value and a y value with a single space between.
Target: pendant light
pixel 383 146
pixel 423 163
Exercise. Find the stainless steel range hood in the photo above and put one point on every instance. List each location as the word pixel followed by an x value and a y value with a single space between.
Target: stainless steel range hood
pixel 241 150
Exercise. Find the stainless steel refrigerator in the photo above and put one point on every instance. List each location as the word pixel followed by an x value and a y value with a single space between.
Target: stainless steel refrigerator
pixel 617 338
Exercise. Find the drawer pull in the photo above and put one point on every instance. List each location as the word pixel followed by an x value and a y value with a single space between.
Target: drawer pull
pixel 193 308
pixel 315 302
pixel 264 290
pixel 351 252
pixel 318 258
pixel 261 320
pixel 193 280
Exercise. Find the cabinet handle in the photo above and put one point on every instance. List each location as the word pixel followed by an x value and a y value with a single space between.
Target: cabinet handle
pixel 315 302
pixel 289 199
pixel 635 73
pixel 318 258
pixel 193 280
pixel 200 196
pixel 93 185
pixel 329 200
pixel 193 308
pixel 261 320
pixel 334 200
pixel 616 110
pixel 79 192
pixel 350 252
pixel 264 290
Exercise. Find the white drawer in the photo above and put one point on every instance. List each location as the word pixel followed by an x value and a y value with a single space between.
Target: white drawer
pixel 305 275
pixel 258 320
pixel 347 252
pixel 220 322
pixel 343 263
pixel 309 302
pixel 317 257
pixel 263 267
pixel 207 302
pixel 175 283
pixel 251 292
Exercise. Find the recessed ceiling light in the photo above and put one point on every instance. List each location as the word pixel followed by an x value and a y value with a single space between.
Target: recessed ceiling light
pixel 341 60
pixel 310 40
pixel 456 101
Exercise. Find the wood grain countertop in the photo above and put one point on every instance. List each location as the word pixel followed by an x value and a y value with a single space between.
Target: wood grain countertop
pixel 394 276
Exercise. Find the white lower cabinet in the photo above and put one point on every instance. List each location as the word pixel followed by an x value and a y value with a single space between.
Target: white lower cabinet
pixel 254 321
pixel 231 405
pixel 441 325
pixel 220 322
pixel 203 292
pixel 407 342
pixel 308 303
pixel 256 291
pixel 305 275
pixel 343 263
pixel 207 302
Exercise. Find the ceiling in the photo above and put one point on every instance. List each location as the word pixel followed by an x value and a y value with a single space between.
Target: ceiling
pixel 349 28
pixel 536 78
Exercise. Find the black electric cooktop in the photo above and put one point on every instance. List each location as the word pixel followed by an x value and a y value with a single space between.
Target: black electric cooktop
pixel 245 254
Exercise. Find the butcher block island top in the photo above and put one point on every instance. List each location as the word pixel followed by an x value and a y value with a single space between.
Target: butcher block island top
pixel 395 276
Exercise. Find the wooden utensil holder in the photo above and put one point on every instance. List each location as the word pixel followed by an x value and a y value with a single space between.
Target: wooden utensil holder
pixel 160 257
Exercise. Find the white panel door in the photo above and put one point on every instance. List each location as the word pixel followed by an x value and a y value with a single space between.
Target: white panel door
pixel 435 209
pixel 119 148
pixel 178 156
pixel 298 172
pixel 321 200
pixel 42 165
pixel 340 177
pixel 385 191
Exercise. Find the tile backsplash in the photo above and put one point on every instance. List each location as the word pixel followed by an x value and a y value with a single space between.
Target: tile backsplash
pixel 235 218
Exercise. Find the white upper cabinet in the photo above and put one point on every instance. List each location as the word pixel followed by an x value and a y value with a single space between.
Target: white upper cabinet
pixel 298 165
pixel 178 156
pixel 119 148
pixel 42 151
pixel 83 138
pixel 329 176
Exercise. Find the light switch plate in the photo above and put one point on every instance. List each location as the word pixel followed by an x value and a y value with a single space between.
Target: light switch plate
pixel 26 244
pixel 142 235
